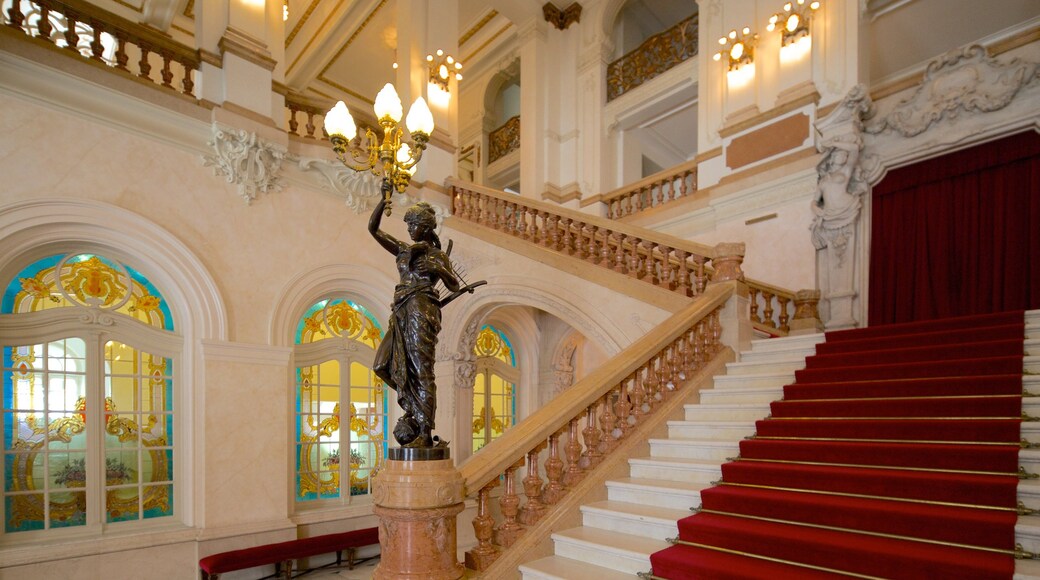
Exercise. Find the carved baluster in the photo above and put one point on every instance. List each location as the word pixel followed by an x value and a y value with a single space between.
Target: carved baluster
pixel 581 246
pixel 767 314
pixel 637 395
pixel 573 474
pixel 668 370
pixel 533 509
pixel 555 239
pixel 310 125
pixel 624 408
pixel 522 229
pixel 593 436
pixel 144 68
pixel 636 200
pixel 699 349
pixel 753 300
pixel 683 190
pixel 71 36
pixel 481 557
pixel 509 530
pixel 683 281
pixel 43 25
pixel 635 268
pixel 606 255
pixel 187 83
pixel 608 426
pixel 619 257
pixel 16 18
pixel 566 239
pixel 458 203
pixel 293 123
pixel 554 471
pixel 593 249
pixel 96 48
pixel 716 332
pixel 700 279
pixel 784 317
pixel 652 384
pixel 650 270
pixel 690 353
pixel 504 216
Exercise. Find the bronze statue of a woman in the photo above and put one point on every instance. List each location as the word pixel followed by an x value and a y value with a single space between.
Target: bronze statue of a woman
pixel 405 358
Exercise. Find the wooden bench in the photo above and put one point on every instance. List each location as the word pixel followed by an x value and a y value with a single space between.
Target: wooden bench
pixel 283 554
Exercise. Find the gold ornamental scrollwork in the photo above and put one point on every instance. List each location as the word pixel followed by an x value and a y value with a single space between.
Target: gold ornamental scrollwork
pixel 504 140
pixel 656 55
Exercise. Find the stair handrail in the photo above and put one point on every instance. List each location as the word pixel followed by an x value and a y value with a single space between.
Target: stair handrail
pixel 610 401
pixel 652 191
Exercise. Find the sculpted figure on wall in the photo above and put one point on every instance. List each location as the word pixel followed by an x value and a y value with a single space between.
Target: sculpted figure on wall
pixel 838 204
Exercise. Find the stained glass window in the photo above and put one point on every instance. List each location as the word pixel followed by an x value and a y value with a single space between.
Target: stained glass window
pixel 494 388
pixel 88 414
pixel 335 346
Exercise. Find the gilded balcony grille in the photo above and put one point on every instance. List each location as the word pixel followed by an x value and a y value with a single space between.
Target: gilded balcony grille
pixel 656 55
pixel 504 140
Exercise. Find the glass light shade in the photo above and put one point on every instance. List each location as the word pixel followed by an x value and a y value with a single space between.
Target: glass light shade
pixel 339 122
pixel 388 104
pixel 737 51
pixel 814 6
pixel 443 71
pixel 792 23
pixel 420 119
pixel 403 155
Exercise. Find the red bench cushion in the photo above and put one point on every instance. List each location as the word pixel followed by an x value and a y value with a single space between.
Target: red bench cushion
pixel 291 550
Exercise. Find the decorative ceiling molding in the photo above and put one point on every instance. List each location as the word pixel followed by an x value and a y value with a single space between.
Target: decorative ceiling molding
pixel 250 163
pixel 477 27
pixel 961 81
pixel 353 37
pixel 299 23
pixel 561 19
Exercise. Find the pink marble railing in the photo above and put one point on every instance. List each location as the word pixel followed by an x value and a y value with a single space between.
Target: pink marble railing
pixel 664 261
pixel 94 34
pixel 653 191
pixel 585 425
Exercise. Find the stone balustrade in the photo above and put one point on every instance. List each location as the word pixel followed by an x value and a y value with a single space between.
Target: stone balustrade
pixel 561 444
pixel 94 34
pixel 652 191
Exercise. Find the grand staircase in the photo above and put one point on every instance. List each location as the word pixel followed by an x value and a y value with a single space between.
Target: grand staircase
pixel 822 489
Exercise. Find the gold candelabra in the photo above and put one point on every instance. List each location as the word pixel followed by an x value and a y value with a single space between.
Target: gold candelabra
pixel 394 158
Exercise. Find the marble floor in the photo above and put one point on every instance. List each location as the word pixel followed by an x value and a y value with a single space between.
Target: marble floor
pixel 361 571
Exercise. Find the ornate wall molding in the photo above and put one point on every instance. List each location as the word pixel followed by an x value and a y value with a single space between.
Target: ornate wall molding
pixel 360 189
pixel 245 160
pixel 961 81
pixel 561 19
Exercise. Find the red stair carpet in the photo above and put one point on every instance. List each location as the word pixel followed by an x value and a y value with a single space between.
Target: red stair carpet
pixel 893 455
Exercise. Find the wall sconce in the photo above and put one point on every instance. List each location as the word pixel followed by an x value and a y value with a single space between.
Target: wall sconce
pixel 794 21
pixel 442 68
pixel 740 49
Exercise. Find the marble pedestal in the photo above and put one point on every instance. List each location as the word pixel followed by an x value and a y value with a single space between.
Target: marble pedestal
pixel 417 503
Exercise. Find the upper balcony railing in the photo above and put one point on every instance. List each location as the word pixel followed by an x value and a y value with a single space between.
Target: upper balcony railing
pixel 652 191
pixel 504 140
pixel 100 36
pixel 656 55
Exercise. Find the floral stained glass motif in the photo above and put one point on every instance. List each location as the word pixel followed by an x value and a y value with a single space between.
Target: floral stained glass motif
pixel 62 397
pixel 494 394
pixel 333 449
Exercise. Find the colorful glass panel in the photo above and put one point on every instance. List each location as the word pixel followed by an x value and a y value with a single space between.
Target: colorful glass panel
pixel 494 398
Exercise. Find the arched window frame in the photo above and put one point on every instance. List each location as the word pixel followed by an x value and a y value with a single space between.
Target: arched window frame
pixel 345 347
pixel 490 364
pixel 96 324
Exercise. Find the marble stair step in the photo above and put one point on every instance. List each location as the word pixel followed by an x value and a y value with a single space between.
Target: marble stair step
pixel 632 518
pixel 741 395
pixel 1031 365
pixel 764 345
pixel 560 568
pixel 1027 533
pixel 1027 570
pixel 1033 346
pixel 694 449
pixel 777 379
pixel 680 495
pixel 731 412
pixel 675 469
pixel 745 368
pixel 783 356
pixel 622 552
pixel 1029 494
pixel 711 430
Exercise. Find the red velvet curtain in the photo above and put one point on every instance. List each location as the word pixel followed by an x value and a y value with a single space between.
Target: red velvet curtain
pixel 959 234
